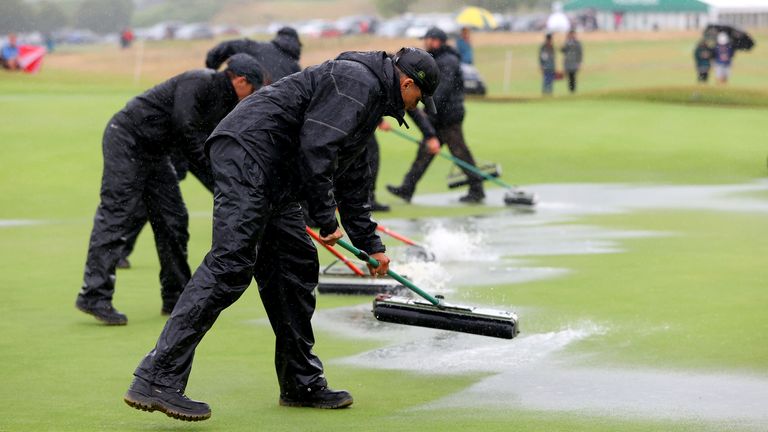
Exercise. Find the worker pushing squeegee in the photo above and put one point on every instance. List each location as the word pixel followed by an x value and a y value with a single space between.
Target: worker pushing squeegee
pixel 513 196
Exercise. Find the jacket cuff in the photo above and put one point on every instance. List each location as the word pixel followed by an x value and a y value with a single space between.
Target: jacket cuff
pixel 329 229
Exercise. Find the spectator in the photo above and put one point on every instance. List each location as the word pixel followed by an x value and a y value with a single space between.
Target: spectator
pixel 126 38
pixel 702 55
pixel 572 54
pixel 723 57
pixel 9 56
pixel 547 64
pixel 50 42
pixel 464 47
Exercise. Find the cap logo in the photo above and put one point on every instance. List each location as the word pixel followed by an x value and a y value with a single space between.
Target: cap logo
pixel 421 74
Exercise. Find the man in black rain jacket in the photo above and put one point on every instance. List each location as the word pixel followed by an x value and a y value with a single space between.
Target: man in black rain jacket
pixel 446 122
pixel 279 57
pixel 139 181
pixel 300 138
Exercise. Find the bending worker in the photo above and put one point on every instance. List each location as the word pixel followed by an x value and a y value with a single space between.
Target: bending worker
pixel 278 58
pixel 138 175
pixel 300 138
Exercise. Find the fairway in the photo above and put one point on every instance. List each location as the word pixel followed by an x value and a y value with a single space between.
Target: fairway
pixel 640 280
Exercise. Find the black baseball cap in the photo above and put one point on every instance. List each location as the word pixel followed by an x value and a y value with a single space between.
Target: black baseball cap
pixel 435 33
pixel 244 65
pixel 420 66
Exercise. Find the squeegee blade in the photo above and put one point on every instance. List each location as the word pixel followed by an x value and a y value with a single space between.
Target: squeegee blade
pixel 465 319
pixel 518 197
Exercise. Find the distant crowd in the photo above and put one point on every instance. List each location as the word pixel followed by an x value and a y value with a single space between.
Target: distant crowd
pixel 573 55
pixel 714 48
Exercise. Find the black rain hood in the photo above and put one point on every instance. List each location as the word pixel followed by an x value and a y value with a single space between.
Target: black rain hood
pixel 288 44
pixel 449 96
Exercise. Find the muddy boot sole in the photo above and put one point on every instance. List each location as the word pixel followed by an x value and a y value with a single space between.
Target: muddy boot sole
pixel 144 403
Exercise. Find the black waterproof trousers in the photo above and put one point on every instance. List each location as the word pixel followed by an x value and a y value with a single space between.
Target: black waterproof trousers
pixel 453 137
pixel 256 233
pixel 135 185
pixel 180 166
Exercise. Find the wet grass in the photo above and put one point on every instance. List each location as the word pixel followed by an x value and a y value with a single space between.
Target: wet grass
pixel 690 300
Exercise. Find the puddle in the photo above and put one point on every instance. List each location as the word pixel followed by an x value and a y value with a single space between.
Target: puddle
pixel 533 371
pixel 7 223
pixel 646 393
pixel 442 352
pixel 580 198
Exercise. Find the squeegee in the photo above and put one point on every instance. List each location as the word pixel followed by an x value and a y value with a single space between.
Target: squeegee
pixel 513 196
pixel 434 311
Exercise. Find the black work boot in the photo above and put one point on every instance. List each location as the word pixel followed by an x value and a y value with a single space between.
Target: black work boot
pixel 473 198
pixel 475 194
pixel 318 397
pixel 104 313
pixel 146 396
pixel 401 192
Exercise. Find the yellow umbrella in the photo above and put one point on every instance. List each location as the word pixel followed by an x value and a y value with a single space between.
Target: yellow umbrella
pixel 473 16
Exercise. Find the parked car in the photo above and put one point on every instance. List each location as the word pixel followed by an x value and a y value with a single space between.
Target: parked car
pixel 473 83
pixel 394 27
pixel 194 31
pixel 159 31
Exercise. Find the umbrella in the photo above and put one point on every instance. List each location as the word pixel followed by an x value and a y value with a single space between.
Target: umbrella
pixel 472 16
pixel 740 39
pixel 31 58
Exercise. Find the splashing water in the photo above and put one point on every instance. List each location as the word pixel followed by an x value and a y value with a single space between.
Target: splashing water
pixel 456 244
pixel 429 276
pixel 436 351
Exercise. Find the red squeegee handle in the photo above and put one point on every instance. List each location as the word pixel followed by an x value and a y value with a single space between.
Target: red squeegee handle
pixel 395 235
pixel 336 253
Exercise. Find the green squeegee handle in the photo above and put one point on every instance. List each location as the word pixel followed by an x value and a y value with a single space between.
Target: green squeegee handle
pixel 457 161
pixel 372 261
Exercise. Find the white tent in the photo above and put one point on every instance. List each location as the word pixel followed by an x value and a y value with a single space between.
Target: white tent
pixel 742 13
pixel 672 14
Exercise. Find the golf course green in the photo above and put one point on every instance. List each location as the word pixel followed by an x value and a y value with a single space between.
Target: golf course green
pixel 691 299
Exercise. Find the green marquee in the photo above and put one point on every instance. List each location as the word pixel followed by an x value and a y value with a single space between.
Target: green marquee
pixel 638 5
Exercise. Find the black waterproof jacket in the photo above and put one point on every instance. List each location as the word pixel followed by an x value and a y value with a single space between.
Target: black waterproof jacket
pixel 308 133
pixel 279 57
pixel 449 96
pixel 179 114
